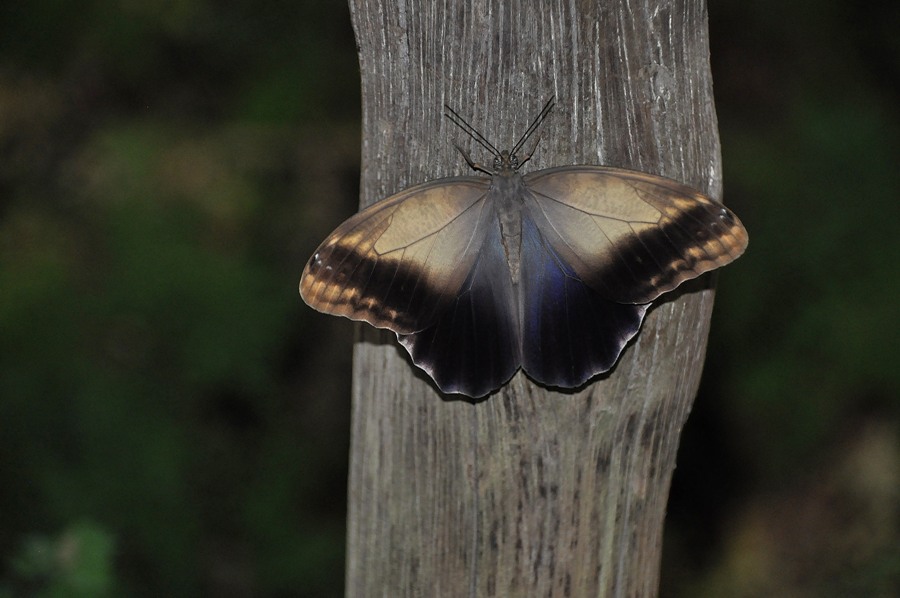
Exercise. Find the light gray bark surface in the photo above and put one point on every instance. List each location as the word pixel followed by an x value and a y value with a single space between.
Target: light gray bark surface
pixel 530 492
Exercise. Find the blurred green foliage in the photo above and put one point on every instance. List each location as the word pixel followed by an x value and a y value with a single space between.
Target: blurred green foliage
pixel 811 165
pixel 77 564
pixel 174 422
pixel 161 165
pixel 788 478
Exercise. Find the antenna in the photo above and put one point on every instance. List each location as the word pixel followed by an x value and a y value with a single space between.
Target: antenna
pixel 534 125
pixel 471 131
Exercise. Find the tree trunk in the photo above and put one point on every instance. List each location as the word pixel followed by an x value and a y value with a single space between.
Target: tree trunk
pixel 530 492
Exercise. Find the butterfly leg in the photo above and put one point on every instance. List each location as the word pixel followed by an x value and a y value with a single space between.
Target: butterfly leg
pixel 472 164
pixel 527 156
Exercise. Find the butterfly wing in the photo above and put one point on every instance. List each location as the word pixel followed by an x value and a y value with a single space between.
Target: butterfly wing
pixel 599 244
pixel 474 348
pixel 570 331
pixel 629 235
pixel 399 263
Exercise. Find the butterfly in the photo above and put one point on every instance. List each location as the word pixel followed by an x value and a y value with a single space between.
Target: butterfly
pixel 551 271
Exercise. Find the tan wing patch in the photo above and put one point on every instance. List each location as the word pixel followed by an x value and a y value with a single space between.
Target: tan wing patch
pixel 398 262
pixel 632 236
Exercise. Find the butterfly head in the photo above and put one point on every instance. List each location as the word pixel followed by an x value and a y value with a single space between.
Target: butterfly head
pixel 506 161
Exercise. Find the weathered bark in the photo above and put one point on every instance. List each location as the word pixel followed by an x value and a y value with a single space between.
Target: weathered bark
pixel 530 492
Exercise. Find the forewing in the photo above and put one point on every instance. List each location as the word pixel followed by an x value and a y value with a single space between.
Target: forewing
pixel 570 332
pixel 630 235
pixel 400 262
pixel 473 348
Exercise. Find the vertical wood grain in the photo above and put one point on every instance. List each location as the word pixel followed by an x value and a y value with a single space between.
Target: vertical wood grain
pixel 530 492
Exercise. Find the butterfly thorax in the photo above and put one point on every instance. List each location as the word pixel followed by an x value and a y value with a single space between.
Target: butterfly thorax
pixel 506 193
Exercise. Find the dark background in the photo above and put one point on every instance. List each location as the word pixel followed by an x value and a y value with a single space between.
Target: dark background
pixel 174 421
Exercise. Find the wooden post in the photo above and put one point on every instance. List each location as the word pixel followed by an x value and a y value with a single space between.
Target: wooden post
pixel 529 492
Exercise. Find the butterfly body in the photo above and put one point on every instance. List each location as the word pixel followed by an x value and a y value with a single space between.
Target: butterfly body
pixel 505 195
pixel 551 271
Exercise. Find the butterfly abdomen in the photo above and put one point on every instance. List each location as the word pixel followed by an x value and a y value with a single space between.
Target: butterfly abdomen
pixel 506 193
